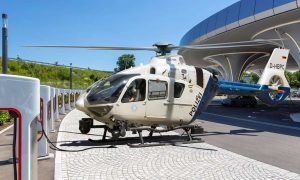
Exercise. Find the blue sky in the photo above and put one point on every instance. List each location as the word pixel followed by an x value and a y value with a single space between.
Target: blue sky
pixel 100 22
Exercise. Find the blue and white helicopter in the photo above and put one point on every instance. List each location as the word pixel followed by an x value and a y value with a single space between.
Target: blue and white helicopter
pixel 167 92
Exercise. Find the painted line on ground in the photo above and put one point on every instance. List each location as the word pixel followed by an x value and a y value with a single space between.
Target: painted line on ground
pixel 251 121
pixel 2 131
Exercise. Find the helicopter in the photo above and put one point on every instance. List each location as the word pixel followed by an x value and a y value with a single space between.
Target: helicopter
pixel 169 93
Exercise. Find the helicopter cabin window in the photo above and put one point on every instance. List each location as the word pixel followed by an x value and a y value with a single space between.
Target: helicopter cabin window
pixel 135 92
pixel 178 89
pixel 199 73
pixel 152 70
pixel 157 89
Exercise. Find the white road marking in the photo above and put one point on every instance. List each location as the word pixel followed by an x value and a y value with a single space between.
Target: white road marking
pixel 257 122
pixel 2 131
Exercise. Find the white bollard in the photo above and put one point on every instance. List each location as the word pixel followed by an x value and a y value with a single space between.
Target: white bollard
pixel 56 111
pixel 51 123
pixel 43 126
pixel 22 95
pixel 62 108
pixel 68 105
pixel 74 98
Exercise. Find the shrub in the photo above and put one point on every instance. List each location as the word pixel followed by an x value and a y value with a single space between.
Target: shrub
pixel 4 117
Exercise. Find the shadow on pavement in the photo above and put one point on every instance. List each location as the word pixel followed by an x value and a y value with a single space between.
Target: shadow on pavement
pixel 5 144
pixel 240 132
pixel 173 140
pixel 78 133
pixel 206 149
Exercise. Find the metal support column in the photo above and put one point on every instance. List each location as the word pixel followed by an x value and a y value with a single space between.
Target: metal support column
pixel 4 44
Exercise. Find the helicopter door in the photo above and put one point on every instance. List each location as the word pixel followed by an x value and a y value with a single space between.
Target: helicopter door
pixel 132 105
pixel 156 109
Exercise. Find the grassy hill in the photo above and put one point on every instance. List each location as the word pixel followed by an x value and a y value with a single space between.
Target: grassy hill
pixel 55 76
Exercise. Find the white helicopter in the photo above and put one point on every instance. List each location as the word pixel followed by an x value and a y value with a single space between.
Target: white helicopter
pixel 168 92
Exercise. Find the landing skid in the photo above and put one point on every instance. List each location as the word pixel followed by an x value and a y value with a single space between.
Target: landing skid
pixel 164 143
pixel 150 140
pixel 186 128
pixel 104 134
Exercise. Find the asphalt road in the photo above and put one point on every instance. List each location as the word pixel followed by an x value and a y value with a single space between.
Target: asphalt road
pixel 263 133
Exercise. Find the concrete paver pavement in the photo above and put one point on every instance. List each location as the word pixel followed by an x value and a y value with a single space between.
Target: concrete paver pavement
pixel 193 161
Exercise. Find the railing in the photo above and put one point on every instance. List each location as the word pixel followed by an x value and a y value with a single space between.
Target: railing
pixel 56 64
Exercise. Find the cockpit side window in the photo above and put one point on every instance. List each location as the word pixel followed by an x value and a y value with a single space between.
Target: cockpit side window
pixel 135 92
pixel 157 90
pixel 199 73
pixel 178 89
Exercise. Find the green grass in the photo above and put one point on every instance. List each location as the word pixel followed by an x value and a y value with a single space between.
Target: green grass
pixel 4 117
pixel 55 76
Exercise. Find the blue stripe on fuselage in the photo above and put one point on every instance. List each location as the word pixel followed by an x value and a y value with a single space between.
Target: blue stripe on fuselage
pixel 209 93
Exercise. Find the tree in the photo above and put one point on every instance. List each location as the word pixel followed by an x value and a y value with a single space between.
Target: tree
pixel 291 78
pixel 254 78
pixel 251 78
pixel 124 62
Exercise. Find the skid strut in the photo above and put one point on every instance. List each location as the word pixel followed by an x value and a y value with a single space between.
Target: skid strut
pixel 104 134
pixel 187 128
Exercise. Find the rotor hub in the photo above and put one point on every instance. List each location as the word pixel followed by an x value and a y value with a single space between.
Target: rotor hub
pixel 163 48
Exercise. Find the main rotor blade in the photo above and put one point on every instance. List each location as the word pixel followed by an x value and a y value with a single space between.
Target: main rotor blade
pixel 96 47
pixel 215 47
pixel 229 44
pixel 169 47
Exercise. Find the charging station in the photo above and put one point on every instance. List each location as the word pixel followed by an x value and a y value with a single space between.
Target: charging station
pixel 76 95
pixel 62 106
pixel 68 105
pixel 51 122
pixel 74 98
pixel 44 120
pixel 56 108
pixel 21 96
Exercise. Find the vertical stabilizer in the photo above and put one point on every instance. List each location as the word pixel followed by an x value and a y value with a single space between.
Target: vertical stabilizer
pixel 274 85
pixel 273 74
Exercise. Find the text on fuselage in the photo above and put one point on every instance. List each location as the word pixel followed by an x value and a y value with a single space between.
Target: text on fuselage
pixel 277 66
pixel 195 106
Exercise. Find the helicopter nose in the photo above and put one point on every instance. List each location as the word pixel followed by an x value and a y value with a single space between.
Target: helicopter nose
pixel 80 103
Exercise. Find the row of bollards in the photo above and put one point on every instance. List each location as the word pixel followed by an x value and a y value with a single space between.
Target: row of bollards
pixel 34 108
pixel 51 107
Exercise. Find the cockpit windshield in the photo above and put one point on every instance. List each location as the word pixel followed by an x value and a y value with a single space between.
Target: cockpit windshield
pixel 108 90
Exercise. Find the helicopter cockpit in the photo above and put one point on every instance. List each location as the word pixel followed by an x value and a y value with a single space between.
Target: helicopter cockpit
pixel 108 90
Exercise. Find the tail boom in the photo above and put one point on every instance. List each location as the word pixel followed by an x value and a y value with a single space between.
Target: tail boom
pixel 272 88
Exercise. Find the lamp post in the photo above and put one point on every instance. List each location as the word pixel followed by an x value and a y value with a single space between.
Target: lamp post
pixel 4 44
pixel 71 76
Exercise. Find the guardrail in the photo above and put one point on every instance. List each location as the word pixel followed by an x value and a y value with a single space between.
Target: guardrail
pixel 56 64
